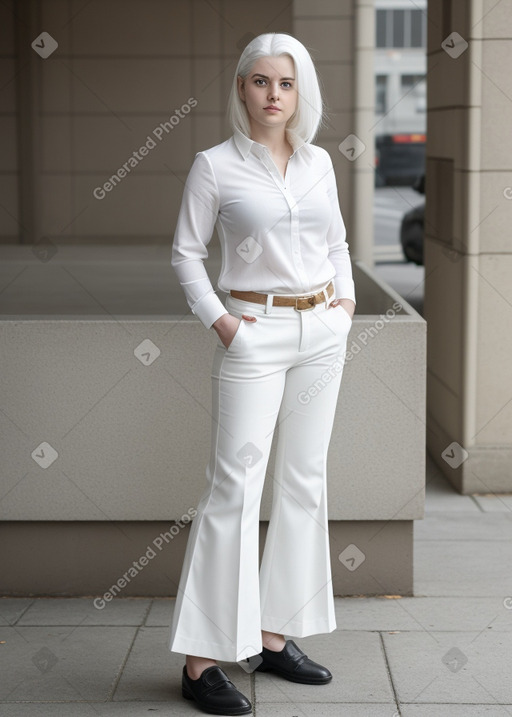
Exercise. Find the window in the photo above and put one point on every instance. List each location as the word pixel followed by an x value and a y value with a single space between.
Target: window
pixel 381 40
pixel 381 86
pixel 400 28
pixel 414 91
pixel 417 29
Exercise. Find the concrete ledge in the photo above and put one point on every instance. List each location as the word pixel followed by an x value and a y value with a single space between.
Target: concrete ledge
pixel 66 558
pixel 107 419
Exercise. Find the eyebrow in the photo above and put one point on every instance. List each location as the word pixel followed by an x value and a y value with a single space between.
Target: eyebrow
pixel 258 74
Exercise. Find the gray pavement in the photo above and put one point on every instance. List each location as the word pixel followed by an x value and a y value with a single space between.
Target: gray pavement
pixel 446 651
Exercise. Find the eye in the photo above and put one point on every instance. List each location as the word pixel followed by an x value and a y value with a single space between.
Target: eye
pixel 259 79
pixel 287 83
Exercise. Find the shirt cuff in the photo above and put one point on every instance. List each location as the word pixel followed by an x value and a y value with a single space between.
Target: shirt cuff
pixel 209 309
pixel 344 288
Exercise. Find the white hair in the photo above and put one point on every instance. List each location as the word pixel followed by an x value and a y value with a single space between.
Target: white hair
pixel 307 118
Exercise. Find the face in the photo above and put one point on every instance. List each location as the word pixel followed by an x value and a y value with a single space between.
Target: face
pixel 271 82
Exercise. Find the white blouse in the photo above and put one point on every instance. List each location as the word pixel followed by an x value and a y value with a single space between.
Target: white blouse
pixel 279 236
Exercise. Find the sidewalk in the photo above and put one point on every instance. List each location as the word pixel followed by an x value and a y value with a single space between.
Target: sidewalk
pixel 445 652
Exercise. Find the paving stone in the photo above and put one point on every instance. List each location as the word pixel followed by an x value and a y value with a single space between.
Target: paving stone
pixel 454 710
pixel 356 661
pixel 100 709
pixel 457 667
pixel 62 663
pixel 464 526
pixel 11 609
pixel 468 567
pixel 64 656
pixel 153 672
pixel 460 613
pixel 440 496
pixel 495 502
pixel 373 613
pixel 420 613
pixel 160 614
pixel 324 709
pixel 82 611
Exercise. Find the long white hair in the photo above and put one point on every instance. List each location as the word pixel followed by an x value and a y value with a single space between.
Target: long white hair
pixel 308 117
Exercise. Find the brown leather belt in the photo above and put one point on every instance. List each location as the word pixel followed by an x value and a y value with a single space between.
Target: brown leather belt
pixel 300 303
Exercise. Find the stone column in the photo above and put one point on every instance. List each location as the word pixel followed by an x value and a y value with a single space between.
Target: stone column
pixel 468 252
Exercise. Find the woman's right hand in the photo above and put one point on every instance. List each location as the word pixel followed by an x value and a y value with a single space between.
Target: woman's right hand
pixel 226 327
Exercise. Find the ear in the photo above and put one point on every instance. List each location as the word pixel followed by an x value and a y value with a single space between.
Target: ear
pixel 241 89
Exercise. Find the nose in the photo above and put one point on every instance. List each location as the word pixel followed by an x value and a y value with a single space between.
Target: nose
pixel 273 91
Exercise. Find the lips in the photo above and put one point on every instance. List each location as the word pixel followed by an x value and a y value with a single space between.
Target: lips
pixel 271 107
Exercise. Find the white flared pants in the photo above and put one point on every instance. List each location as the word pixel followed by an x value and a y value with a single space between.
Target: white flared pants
pixel 285 369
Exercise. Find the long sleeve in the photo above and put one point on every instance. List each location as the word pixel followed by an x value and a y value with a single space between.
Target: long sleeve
pixel 344 287
pixel 194 229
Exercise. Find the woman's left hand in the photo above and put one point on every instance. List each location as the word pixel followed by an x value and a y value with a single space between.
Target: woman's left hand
pixel 347 304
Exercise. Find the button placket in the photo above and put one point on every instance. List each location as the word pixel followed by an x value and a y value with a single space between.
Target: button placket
pixel 294 213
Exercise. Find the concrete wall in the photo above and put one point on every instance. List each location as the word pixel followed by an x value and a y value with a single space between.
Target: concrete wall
pixel 122 70
pixel 9 129
pixel 468 259
pixel 110 420
pixel 89 557
pixel 107 422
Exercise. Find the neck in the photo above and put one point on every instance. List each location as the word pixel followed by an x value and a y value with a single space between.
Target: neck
pixel 272 137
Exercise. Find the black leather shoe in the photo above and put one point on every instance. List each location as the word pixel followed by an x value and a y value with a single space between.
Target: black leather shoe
pixel 214 692
pixel 294 665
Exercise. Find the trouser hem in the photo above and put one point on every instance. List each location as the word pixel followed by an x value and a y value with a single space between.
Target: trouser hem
pixel 214 650
pixel 297 628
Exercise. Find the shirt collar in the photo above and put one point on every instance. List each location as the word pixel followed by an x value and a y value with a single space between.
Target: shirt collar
pixel 246 145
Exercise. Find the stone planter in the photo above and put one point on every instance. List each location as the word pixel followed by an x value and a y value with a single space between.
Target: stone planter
pixel 106 437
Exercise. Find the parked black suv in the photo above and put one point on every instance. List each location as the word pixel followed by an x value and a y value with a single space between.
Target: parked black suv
pixel 399 158
pixel 412 228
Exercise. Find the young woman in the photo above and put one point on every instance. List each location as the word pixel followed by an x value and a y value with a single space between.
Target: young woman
pixel 279 358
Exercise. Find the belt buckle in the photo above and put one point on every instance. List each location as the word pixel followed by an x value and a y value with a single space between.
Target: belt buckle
pixel 311 299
